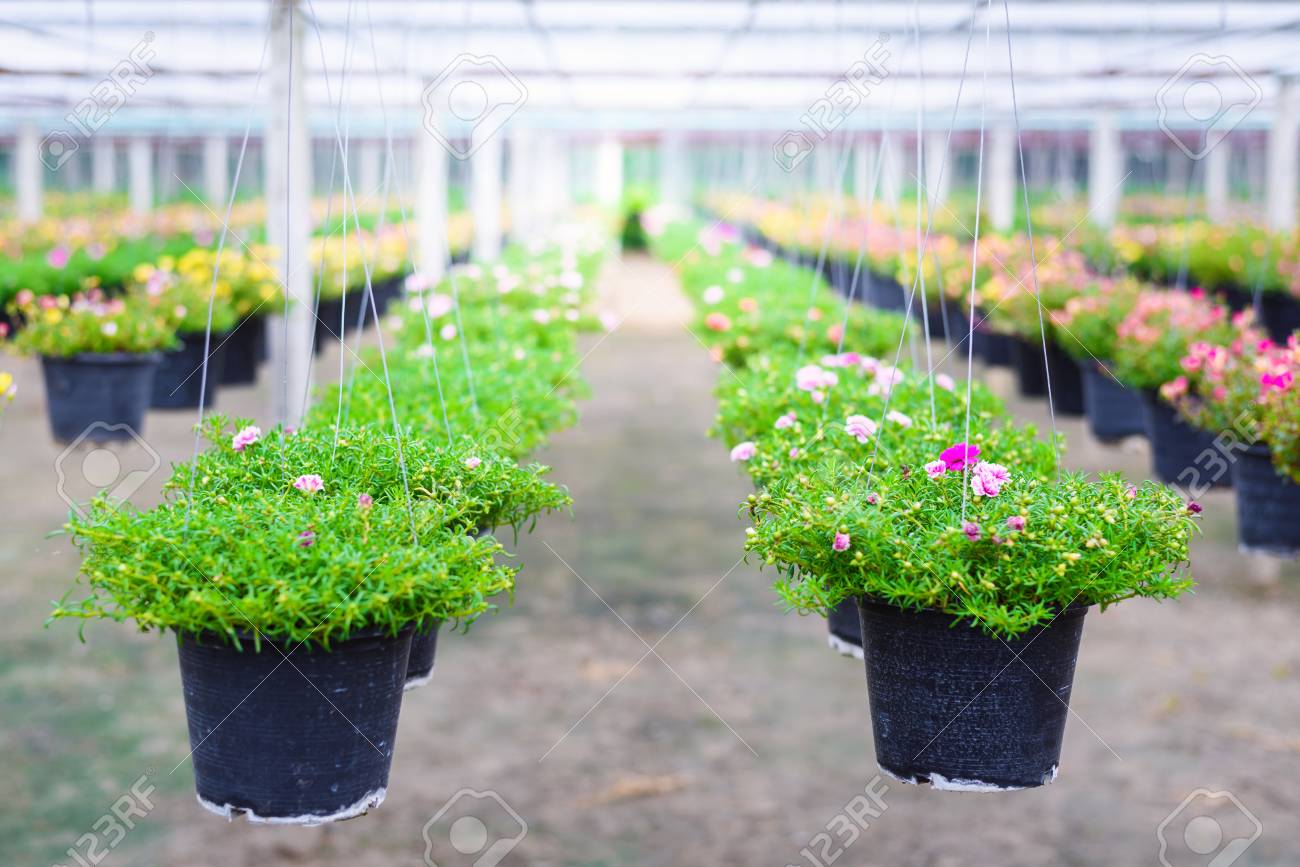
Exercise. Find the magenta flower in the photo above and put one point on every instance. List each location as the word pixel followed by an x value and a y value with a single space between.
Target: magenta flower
pixel 246 437
pixel 936 469
pixel 365 501
pixel 861 427
pixel 1016 522
pixel 956 457
pixel 1194 507
pixel 873 498
pixel 310 483
pixel 972 530
pixel 306 539
pixel 987 479
pixel 57 257
pixel 743 451
pixel 471 463
pixel 1280 381
pixel 841 542
pixel 785 421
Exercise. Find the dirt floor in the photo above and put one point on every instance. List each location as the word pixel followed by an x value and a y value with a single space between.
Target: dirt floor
pixel 645 701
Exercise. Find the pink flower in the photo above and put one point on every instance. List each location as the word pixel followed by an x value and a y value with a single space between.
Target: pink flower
pixel 1194 507
pixel 310 483
pixel 794 452
pixel 1280 381
pixel 1174 388
pixel 873 498
pixel 972 530
pixel 1016 522
pixel 365 501
pixel 956 457
pixel 713 295
pixel 785 421
pixel 743 451
pixel 987 479
pixel 944 381
pixel 306 539
pixel 246 437
pixel 472 462
pixel 747 305
pixel 899 418
pixel 844 359
pixel 936 469
pixel 57 257
pixel 813 378
pixel 1131 492
pixel 860 426
pixel 887 377
pixel 841 542
pixel 717 322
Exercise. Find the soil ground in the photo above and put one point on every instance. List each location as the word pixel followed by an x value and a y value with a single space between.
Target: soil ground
pixel 736 741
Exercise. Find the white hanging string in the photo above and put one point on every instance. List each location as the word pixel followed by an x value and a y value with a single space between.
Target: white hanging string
pixel 974 268
pixel 1029 230
pixel 216 267
pixel 931 202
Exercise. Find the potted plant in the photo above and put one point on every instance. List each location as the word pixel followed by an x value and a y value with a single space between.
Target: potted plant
pixel 972 606
pixel 1085 329
pixel 202 326
pixel 294 570
pixel 98 356
pixel 1245 391
pixel 1150 343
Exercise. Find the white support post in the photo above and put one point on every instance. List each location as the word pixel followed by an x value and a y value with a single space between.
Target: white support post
pixel 609 172
pixel 29 173
pixel 103 165
pixel 140 174
pixel 523 185
pixel 553 172
pixel 1216 181
pixel 485 196
pixel 891 173
pixel 431 205
pixel 674 174
pixel 1282 173
pixel 216 170
pixel 370 168
pixel 168 166
pixel 288 193
pixel 1065 190
pixel 937 186
pixel 1001 173
pixel 864 171
pixel 1105 160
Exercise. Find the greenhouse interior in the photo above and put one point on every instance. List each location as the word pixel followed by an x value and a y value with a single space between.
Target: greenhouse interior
pixel 846 365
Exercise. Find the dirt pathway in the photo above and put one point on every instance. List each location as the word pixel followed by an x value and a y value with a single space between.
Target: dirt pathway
pixel 736 740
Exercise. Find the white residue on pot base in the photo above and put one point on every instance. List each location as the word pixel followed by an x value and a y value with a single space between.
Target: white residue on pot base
pixel 943 784
pixel 418 681
pixel 844 648
pixel 360 808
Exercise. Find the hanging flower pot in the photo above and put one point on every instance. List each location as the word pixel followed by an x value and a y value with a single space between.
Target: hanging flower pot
pixel 1179 451
pixel 292 733
pixel 993 347
pixel 101 395
pixel 845 629
pixel 180 381
pixel 419 667
pixel 245 349
pixel 885 293
pixel 1114 411
pixel 1067 382
pixel 958 327
pixel 1027 359
pixel 1280 312
pixel 1267 504
pixel 959 709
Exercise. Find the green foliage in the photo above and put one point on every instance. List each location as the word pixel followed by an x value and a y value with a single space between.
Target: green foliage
pixel 60 326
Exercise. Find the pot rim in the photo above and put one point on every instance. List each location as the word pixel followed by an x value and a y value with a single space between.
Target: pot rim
pixel 1071 611
pixel 122 358
pixel 218 638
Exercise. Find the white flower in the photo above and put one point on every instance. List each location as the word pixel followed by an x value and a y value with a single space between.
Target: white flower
pixel 447 332
pixel 899 418
pixel 735 275
pixel 541 317
pixel 713 295
pixel 571 280
pixel 108 329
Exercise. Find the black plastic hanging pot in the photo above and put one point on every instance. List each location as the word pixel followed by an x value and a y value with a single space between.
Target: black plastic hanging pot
pixel 958 327
pixel 955 708
pixel 328 326
pixel 886 293
pixel 1114 411
pixel 1280 313
pixel 1180 454
pixel 179 380
pixel 297 742
pixel 1268 504
pixel 424 644
pixel 98 396
pixel 844 629
pixel 993 347
pixel 245 348
pixel 1027 359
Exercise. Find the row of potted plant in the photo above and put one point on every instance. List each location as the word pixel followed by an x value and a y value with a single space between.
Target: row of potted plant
pixel 945 527
pixel 305 573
